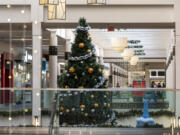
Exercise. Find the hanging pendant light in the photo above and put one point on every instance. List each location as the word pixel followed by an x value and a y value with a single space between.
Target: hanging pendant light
pixel 119 44
pixel 48 2
pixel 127 54
pixel 57 12
pixel 96 2
pixel 134 60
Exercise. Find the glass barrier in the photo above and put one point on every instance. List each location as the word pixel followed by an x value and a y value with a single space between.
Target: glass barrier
pixel 90 109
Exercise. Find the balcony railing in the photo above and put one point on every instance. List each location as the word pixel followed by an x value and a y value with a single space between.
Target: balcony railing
pixel 93 108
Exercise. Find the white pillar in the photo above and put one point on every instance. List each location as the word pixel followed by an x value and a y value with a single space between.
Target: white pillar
pixel 36 18
pixel 53 69
pixel 36 94
pixel 53 61
pixel 177 56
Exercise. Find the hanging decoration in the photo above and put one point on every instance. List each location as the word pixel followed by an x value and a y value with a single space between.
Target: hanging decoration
pixel 111 28
pixel 56 9
pixel 119 44
pixel 48 2
pixel 134 60
pixel 57 12
pixel 127 54
pixel 96 2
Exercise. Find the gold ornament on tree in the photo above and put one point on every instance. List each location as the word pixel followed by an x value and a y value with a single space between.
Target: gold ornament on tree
pixel 71 69
pixel 89 50
pixel 61 108
pixel 67 110
pixel 81 45
pixel 100 69
pixel 109 124
pixel 82 106
pixel 66 86
pixel 96 105
pixel 90 70
pixel 64 123
pixel 80 87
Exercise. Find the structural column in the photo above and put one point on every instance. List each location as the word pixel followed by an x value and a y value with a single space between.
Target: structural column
pixel 36 18
pixel 53 60
pixel 53 67
pixel 36 98
pixel 177 56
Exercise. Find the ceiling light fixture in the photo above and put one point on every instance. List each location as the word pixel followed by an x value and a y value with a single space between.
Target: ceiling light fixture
pixel 119 44
pixel 96 2
pixel 127 54
pixel 48 2
pixel 57 12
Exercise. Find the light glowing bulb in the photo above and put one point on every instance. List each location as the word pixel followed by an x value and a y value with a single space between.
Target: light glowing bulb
pixel 9 20
pixel 8 6
pixel 22 11
pixel 9 118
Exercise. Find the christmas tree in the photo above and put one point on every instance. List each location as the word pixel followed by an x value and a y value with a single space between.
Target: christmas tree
pixel 82 71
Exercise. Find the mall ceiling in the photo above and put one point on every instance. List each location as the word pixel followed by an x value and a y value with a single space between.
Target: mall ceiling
pixel 152 39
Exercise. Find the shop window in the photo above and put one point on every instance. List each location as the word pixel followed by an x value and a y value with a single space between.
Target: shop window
pixel 157 73
pixel 161 73
pixel 153 73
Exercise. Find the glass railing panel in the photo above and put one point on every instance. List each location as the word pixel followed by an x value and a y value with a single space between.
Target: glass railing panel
pixel 114 108
pixel 15 107
pixel 85 110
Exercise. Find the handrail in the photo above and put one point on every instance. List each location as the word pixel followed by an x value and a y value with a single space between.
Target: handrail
pixel 92 89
